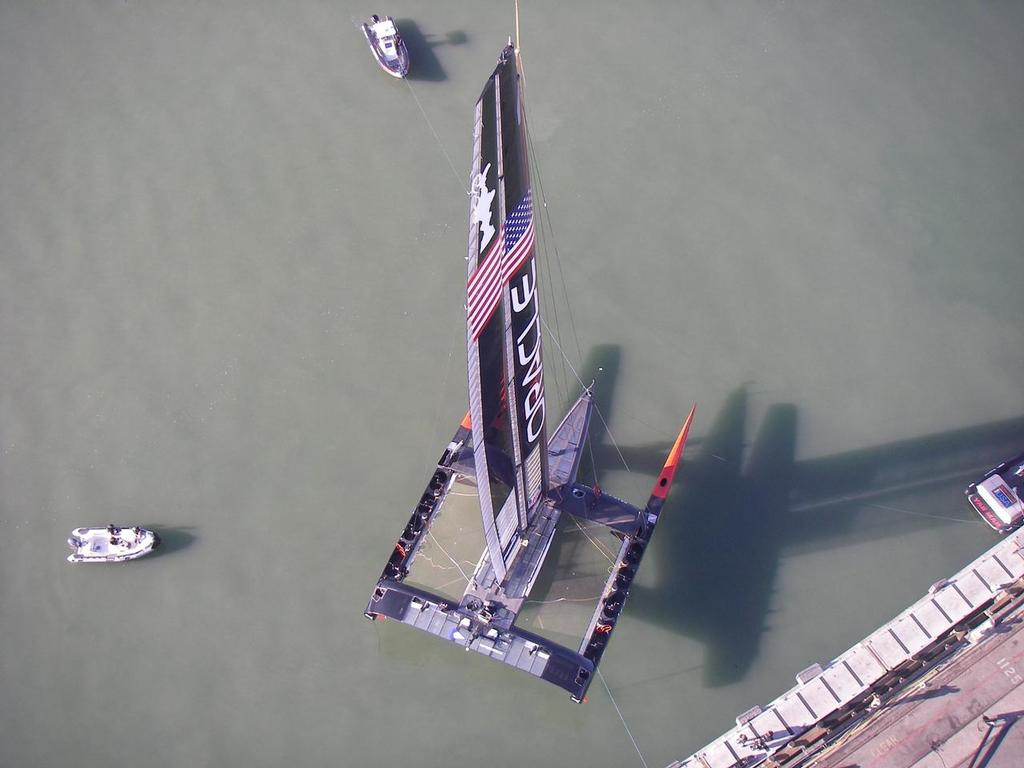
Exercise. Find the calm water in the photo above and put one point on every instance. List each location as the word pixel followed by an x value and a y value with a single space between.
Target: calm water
pixel 231 301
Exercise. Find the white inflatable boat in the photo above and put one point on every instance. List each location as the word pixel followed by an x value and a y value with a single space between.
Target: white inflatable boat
pixel 111 544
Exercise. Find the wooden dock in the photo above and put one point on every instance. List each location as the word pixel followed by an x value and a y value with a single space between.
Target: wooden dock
pixel 945 674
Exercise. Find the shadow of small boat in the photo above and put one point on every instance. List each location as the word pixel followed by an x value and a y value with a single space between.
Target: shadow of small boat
pixel 172 539
pixel 423 63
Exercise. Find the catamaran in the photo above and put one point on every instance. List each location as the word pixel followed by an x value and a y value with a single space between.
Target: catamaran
pixel 525 479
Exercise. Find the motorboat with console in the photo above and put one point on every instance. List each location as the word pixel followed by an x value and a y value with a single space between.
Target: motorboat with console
pixel 111 544
pixel 997 495
pixel 387 45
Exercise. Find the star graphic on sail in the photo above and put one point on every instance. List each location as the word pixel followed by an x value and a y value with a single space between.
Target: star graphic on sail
pixel 480 207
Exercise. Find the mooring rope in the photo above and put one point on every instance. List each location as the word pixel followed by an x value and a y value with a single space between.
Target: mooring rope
pixel 624 725
pixel 437 138
pixel 925 514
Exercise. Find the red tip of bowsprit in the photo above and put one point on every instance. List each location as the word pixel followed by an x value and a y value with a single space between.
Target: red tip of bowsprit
pixel 664 481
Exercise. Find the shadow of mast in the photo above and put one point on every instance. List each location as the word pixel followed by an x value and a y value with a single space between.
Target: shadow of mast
pixel 738 509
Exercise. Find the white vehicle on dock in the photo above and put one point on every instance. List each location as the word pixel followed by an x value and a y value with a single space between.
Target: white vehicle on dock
pixel 110 544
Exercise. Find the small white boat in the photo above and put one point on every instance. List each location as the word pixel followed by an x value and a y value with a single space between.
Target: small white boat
pixel 998 495
pixel 111 544
pixel 387 45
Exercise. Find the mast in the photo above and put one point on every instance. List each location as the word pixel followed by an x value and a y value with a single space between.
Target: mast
pixel 517 36
pixel 503 329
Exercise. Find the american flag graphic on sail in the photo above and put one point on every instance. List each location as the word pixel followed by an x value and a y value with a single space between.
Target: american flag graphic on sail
pixel 509 252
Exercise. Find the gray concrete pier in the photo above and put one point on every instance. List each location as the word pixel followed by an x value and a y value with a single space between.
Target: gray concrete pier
pixel 939 685
pixel 964 714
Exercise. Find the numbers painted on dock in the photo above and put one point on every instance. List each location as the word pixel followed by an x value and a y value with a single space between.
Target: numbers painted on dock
pixel 1010 671
pixel 884 747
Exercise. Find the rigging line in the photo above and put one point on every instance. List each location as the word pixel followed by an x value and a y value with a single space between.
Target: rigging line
pixel 619 711
pixel 597 544
pixel 608 431
pixel 557 260
pixel 560 378
pixel 531 152
pixel 597 410
pixel 445 551
pixel 436 137
pixel 590 526
pixel 593 461
pixel 568 362
pixel 546 218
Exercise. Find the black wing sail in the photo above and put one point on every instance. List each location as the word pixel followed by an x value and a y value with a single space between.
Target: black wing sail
pixel 503 333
